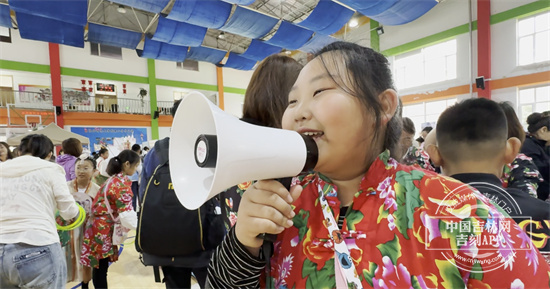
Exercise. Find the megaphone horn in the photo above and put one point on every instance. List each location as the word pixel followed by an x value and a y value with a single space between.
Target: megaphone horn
pixel 211 151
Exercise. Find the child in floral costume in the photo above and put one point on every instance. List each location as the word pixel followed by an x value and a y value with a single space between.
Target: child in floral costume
pixel 84 191
pixel 362 220
pixel 98 248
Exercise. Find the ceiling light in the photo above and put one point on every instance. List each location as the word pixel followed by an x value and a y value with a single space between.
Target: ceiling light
pixel 380 30
pixel 288 52
pixel 221 36
pixel 353 23
pixel 121 9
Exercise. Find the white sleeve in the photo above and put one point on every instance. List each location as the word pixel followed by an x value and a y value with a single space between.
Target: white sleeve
pixel 103 167
pixel 128 219
pixel 64 200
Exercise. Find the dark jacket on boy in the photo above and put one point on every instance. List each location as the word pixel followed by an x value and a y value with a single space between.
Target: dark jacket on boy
pixel 538 227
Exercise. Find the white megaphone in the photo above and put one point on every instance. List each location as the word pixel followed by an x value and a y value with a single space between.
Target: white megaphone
pixel 211 151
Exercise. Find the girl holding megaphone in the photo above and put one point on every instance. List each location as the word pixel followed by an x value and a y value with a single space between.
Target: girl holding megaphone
pixel 361 219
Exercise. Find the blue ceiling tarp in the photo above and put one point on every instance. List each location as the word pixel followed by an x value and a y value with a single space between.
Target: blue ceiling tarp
pixel 113 36
pixel 50 30
pixel 380 7
pixel 163 51
pixel 240 2
pixel 290 36
pixel 361 4
pixel 70 11
pixel 5 18
pixel 153 6
pixel 237 62
pixel 179 33
pixel 404 11
pixel 248 23
pixel 317 42
pixel 205 13
pixel 258 50
pixel 206 54
pixel 327 17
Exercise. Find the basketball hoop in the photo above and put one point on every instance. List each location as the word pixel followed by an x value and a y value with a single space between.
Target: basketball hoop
pixel 32 126
pixel 32 121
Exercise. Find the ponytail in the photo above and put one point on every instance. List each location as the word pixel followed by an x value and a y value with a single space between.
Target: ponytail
pixel 115 164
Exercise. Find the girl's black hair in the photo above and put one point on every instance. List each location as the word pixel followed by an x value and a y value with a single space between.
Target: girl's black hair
pixel 115 164
pixel 37 145
pixel 536 121
pixel 369 74
pixel 102 151
pixel 90 159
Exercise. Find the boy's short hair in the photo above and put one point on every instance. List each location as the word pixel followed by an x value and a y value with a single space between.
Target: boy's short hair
pixel 473 129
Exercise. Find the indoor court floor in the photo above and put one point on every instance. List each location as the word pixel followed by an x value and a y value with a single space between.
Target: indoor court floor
pixel 128 272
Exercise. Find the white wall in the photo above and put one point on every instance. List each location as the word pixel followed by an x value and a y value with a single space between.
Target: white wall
pixel 233 104
pixel 24 50
pixel 236 78
pixel 168 70
pixel 81 58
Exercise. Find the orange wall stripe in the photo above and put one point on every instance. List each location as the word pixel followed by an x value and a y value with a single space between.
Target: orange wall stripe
pixel 219 77
pixel 515 81
pixel 522 80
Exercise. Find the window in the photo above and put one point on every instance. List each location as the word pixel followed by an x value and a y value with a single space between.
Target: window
pixel 426 113
pixel 535 99
pixel 188 65
pixel 431 64
pixel 104 50
pixel 534 39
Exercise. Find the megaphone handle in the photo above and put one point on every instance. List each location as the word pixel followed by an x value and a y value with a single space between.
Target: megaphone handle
pixel 272 237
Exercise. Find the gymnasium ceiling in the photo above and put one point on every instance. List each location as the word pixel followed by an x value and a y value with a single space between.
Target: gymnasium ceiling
pixel 206 30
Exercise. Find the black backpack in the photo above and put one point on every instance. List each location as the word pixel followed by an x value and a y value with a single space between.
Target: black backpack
pixel 168 234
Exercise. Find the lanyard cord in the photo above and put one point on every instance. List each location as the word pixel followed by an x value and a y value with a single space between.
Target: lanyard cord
pixel 341 251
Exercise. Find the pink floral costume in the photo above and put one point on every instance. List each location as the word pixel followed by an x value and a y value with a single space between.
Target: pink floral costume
pixel 97 242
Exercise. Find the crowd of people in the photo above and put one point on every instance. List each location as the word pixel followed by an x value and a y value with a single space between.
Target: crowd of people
pixel 380 209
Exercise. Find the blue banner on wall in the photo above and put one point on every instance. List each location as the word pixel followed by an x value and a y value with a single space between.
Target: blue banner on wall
pixel 116 139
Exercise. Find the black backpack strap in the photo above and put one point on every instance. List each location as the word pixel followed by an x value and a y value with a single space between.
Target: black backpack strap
pixel 161 149
pixel 156 273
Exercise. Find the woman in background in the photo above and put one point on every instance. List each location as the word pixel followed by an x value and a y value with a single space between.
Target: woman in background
pixel 522 173
pixel 5 153
pixel 31 190
pixel 101 175
pixel 535 148
pixel 265 101
pixel 72 148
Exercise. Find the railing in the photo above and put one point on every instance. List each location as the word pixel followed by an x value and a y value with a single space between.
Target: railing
pixel 82 102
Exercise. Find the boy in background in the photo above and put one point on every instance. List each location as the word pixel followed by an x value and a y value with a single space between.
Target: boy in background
pixel 473 147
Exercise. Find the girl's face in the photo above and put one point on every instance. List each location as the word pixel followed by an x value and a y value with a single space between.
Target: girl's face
pixel 3 151
pixel 335 119
pixel 84 170
pixel 129 169
pixel 105 155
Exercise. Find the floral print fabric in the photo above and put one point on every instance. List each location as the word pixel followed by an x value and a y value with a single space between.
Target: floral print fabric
pixel 522 174
pixel 418 157
pixel 230 200
pixel 405 230
pixel 99 231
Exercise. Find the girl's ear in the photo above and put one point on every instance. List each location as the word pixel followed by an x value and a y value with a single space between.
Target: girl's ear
pixel 513 145
pixel 389 101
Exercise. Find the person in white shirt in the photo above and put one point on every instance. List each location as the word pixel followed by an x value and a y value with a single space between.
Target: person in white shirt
pixel 31 189
pixel 102 175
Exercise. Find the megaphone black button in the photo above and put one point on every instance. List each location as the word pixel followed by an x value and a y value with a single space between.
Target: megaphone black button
pixel 206 150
